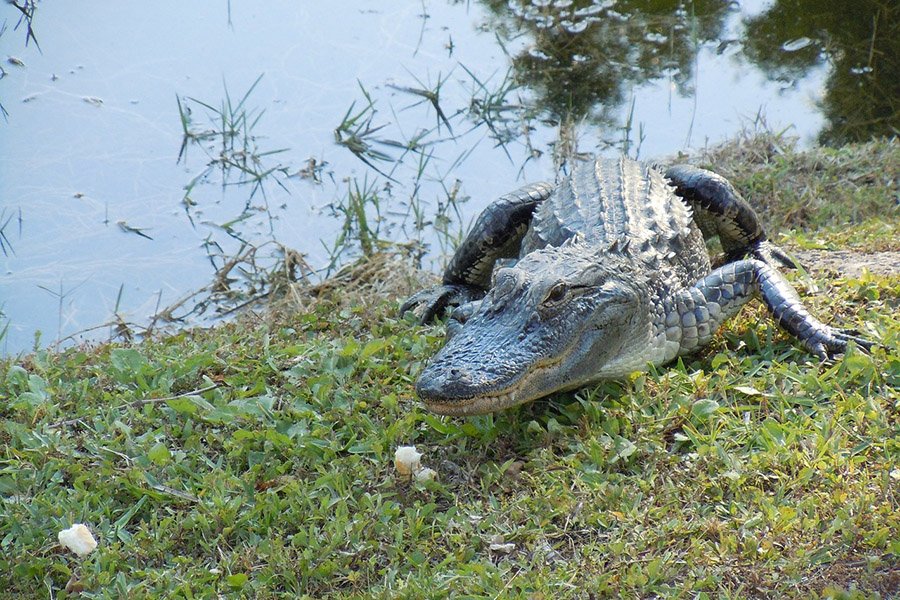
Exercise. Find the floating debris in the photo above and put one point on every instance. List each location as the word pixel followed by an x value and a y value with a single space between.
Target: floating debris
pixel 129 229
pixel 538 53
pixel 594 9
pixel 575 26
pixel 797 44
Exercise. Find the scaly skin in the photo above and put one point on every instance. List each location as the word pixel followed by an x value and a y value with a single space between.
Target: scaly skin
pixel 612 276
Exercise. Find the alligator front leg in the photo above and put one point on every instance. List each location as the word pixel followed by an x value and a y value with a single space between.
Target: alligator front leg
pixel 719 210
pixel 694 314
pixel 497 234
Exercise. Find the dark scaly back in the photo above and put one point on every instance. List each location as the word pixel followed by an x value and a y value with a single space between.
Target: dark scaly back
pixel 623 206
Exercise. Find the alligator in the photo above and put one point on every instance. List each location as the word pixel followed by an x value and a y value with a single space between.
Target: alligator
pixel 612 275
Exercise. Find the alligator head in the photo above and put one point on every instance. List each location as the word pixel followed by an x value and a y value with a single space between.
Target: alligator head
pixel 549 323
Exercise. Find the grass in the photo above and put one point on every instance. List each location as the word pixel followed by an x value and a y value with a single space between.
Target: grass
pixel 247 266
pixel 821 188
pixel 254 459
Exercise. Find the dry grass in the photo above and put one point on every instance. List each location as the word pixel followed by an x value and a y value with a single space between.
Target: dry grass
pixel 389 273
pixel 814 188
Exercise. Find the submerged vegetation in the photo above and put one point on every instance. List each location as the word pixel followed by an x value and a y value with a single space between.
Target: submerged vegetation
pixel 256 458
pixel 25 10
pixel 243 274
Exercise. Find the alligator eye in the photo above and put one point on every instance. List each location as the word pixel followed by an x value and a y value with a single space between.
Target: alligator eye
pixel 557 293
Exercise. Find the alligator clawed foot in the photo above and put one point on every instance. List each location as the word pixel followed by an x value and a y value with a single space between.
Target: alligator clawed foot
pixel 831 342
pixel 430 303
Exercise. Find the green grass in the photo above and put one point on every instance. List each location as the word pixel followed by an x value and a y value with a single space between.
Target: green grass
pixel 255 459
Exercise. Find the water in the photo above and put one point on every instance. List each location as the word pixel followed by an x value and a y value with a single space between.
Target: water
pixel 90 149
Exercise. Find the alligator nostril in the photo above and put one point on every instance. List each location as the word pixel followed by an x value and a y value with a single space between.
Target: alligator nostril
pixel 459 375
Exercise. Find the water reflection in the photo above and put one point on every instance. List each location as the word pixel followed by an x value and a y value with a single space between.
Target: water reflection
pixel 859 40
pixel 581 58
pixel 585 56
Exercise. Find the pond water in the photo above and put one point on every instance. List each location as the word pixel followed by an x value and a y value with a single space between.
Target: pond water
pixel 144 146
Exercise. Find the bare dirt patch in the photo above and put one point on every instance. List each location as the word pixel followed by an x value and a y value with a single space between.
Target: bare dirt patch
pixel 847 263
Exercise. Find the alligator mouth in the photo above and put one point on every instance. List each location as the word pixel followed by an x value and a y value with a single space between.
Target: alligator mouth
pixel 476 405
pixel 481 404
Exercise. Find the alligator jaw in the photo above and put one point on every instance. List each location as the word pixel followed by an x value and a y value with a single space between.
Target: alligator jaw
pixel 479 405
pixel 483 404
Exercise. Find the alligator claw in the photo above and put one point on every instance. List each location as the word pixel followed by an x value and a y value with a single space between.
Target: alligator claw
pixel 430 303
pixel 829 342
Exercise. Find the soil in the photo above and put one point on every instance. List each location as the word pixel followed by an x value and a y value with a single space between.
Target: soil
pixel 847 263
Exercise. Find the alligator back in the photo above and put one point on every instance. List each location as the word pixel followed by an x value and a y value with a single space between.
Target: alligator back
pixel 625 206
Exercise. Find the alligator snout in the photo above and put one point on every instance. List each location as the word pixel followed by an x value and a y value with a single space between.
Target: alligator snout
pixel 444 383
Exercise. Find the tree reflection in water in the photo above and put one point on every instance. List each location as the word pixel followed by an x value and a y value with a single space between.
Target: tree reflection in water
pixel 582 57
pixel 860 41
